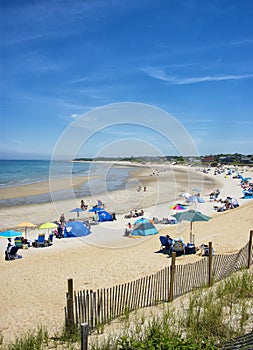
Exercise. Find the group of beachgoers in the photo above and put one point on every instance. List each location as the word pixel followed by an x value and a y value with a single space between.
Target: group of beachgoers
pixel 134 214
pixel 85 206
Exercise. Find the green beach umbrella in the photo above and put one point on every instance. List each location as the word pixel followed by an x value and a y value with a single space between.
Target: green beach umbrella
pixel 191 216
pixel 48 225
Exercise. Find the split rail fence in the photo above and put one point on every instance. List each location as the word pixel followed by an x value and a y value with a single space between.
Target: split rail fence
pixel 99 307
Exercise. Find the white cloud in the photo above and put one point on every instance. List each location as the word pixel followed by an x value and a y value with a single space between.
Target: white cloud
pixel 161 75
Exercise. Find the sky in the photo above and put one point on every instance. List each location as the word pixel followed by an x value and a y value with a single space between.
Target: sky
pixel 189 62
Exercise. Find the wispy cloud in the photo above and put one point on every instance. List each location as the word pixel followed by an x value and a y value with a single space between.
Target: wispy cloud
pixel 247 41
pixel 161 75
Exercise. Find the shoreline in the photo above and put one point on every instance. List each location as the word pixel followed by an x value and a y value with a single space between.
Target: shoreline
pixel 45 191
pixel 164 186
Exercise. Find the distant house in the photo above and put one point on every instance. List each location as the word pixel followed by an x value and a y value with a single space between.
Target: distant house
pixel 246 160
pixel 208 159
pixel 225 160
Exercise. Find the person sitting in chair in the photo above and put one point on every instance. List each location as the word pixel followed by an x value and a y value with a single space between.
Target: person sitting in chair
pixel 170 240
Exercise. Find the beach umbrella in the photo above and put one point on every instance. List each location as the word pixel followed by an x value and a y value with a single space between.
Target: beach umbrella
pixel 177 207
pixel 48 225
pixel 191 216
pixel 196 199
pixel 196 189
pixel 25 225
pixel 185 195
pixel 77 211
pixel 10 234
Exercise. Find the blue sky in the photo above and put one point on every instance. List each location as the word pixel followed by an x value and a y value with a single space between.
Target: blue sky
pixel 61 59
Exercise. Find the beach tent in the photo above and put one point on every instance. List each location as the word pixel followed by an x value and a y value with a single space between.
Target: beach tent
pixel 96 209
pixel 76 229
pixel 104 216
pixel 143 227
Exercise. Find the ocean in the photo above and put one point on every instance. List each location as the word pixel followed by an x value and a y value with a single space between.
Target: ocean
pixel 22 172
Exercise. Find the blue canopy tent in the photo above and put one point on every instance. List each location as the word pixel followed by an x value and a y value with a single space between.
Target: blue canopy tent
pixel 104 216
pixel 96 209
pixel 76 229
pixel 143 227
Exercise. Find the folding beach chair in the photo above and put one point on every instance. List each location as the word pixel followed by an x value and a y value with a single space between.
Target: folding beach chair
pixel 50 239
pixel 40 242
pixel 18 242
pixel 165 244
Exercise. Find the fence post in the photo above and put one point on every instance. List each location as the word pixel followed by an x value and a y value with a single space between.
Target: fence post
pixel 172 275
pixel 70 305
pixel 250 249
pixel 84 336
pixel 210 265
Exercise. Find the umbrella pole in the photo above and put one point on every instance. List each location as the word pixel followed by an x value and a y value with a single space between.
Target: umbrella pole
pixel 191 232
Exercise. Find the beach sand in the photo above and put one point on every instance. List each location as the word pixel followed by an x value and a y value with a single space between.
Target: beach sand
pixel 33 289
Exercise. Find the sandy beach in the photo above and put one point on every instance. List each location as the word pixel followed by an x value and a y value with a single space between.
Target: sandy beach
pixel 33 288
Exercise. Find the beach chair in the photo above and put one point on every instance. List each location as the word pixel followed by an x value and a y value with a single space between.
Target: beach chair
pixel 50 239
pixel 18 242
pixel 178 247
pixel 164 243
pixel 40 242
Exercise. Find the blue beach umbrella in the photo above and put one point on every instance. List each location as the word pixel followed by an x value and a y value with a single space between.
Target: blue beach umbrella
pixel 77 211
pixel 196 199
pixel 196 189
pixel 11 234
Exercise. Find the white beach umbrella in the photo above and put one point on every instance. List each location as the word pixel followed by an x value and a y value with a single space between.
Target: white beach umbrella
pixel 185 195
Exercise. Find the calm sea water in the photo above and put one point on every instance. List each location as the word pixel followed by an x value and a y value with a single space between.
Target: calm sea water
pixel 22 172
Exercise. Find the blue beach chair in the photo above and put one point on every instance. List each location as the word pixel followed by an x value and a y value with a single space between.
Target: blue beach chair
pixel 40 242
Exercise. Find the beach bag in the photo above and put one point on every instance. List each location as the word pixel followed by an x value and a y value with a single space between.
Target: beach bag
pixel 190 248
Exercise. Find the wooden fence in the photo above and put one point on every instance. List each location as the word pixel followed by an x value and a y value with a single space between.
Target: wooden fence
pixel 103 305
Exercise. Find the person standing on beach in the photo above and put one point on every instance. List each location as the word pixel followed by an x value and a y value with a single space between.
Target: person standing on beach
pixel 62 219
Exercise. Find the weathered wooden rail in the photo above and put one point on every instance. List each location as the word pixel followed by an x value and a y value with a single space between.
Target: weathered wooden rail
pixel 98 307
